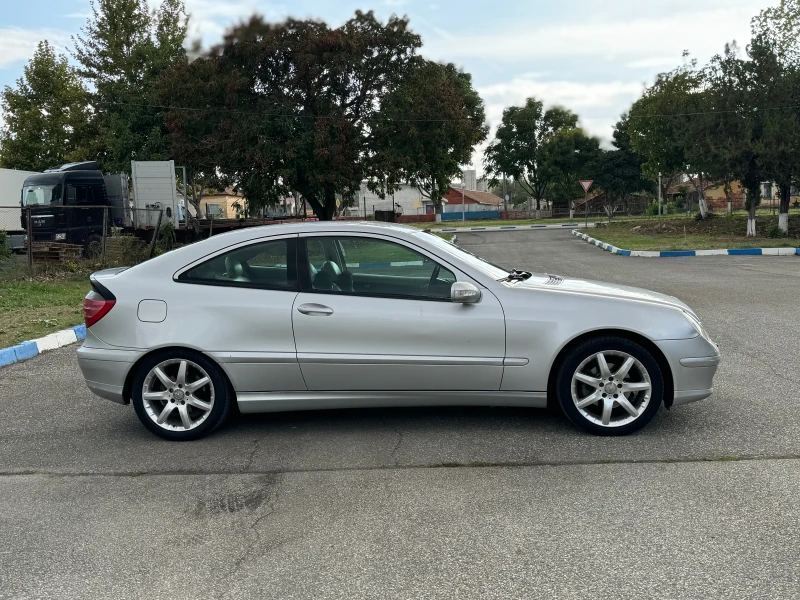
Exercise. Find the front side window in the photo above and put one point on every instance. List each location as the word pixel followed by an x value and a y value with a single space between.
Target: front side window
pixel 77 194
pixel 269 265
pixel 375 267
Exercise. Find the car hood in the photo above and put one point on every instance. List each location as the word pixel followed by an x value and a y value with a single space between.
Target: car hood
pixel 599 288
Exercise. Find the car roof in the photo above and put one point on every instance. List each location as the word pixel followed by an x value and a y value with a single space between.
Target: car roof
pixel 250 233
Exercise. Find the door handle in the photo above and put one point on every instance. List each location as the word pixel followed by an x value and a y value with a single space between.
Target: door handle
pixel 315 310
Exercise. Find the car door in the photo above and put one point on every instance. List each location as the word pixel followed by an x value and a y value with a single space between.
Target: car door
pixel 243 302
pixel 374 313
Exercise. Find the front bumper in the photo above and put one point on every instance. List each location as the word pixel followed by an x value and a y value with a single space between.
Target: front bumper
pixel 105 371
pixel 693 363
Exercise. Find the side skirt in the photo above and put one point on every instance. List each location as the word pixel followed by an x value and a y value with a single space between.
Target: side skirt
pixel 257 402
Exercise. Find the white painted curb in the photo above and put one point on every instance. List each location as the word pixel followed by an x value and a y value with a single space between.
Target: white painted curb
pixel 32 348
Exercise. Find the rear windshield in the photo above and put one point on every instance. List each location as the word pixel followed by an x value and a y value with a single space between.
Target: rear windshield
pixel 41 195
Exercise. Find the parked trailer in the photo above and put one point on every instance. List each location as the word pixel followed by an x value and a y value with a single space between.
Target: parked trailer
pixel 11 181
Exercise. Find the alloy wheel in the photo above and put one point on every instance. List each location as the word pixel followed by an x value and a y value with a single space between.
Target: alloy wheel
pixel 178 394
pixel 611 388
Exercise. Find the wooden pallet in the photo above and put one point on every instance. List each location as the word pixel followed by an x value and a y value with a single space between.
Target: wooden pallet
pixel 56 252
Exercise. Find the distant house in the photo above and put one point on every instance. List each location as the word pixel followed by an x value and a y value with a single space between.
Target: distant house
pixel 716 198
pixel 220 205
pixel 472 200
pixel 687 194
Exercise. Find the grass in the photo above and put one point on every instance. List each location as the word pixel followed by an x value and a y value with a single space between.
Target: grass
pixel 721 232
pixel 30 309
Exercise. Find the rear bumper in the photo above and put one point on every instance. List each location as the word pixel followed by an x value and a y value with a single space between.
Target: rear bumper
pixel 105 371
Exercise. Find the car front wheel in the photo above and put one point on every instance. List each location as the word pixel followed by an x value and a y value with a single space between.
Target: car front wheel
pixel 610 386
pixel 180 395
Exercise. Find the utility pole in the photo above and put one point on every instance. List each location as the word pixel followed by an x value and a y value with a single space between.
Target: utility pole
pixel 505 196
pixel 463 211
pixel 659 193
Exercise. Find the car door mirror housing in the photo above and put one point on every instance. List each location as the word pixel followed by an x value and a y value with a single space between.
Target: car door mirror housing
pixel 464 292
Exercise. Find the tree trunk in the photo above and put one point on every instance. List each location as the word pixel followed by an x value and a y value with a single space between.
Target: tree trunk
pixel 783 212
pixel 751 220
pixel 701 197
pixel 329 207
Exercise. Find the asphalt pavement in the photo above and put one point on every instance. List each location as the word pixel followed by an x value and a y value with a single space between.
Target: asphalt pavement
pixel 428 503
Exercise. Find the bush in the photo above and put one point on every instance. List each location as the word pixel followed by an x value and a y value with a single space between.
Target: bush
pixel 4 249
pixel 777 232
pixel 667 208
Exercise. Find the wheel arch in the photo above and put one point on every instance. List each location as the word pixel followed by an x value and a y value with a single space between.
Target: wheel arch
pixel 646 343
pixel 127 387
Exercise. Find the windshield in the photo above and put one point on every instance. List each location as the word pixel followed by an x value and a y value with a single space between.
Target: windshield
pixel 484 266
pixel 41 195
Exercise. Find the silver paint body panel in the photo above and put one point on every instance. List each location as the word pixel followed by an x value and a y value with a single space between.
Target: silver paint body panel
pixel 371 351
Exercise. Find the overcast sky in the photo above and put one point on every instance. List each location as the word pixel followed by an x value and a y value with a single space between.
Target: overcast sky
pixel 593 57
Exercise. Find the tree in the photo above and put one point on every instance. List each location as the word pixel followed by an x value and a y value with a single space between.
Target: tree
pixel 618 172
pixel 775 54
pixel 293 106
pixel 517 147
pixel 122 51
pixel 46 114
pixel 429 126
pixel 668 127
pixel 565 156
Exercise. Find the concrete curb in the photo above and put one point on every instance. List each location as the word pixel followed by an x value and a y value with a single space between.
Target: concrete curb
pixel 505 227
pixel 674 253
pixel 29 349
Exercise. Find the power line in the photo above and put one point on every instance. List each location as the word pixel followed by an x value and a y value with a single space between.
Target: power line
pixel 439 120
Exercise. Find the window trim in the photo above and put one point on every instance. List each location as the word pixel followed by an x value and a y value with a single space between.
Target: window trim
pixel 304 275
pixel 291 255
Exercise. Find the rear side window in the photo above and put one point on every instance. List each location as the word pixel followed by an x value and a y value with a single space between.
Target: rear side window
pixel 267 265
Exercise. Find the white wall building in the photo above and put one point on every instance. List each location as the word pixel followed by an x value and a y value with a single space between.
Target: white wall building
pixel 407 200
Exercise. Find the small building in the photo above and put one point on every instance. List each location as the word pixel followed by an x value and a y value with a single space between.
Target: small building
pixel 458 199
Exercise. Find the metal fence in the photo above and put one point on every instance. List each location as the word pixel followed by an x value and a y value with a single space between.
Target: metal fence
pixel 67 236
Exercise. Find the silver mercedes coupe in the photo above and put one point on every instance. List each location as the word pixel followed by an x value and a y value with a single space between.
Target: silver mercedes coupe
pixel 342 314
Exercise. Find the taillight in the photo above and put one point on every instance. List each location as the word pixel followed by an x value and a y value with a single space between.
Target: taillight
pixel 95 307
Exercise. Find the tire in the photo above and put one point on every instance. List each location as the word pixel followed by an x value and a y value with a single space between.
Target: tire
pixel 93 247
pixel 204 408
pixel 633 402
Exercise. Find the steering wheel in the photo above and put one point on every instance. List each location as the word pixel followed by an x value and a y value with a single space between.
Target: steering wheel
pixel 434 277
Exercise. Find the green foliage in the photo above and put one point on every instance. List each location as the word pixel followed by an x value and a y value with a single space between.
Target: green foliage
pixel 776 232
pixel 290 107
pixel 428 127
pixel 166 237
pixel 667 208
pixel 517 149
pixel 565 157
pixel 122 52
pixel 4 249
pixel 45 115
pixel 618 172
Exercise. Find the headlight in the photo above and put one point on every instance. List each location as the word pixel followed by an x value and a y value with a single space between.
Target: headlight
pixel 60 236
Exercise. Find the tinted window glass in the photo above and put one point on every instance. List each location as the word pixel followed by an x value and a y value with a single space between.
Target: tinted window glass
pixel 264 265
pixel 373 266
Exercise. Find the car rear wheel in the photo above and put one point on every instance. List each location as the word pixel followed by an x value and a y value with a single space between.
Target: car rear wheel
pixel 180 395
pixel 610 386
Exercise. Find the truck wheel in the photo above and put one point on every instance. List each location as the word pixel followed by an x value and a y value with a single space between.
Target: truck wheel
pixel 93 247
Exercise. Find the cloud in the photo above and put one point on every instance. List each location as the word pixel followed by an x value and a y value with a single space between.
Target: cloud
pixel 395 2
pixel 655 62
pixel 598 104
pixel 17 44
pixel 704 33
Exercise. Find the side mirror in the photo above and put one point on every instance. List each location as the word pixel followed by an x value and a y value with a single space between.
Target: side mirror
pixel 464 292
